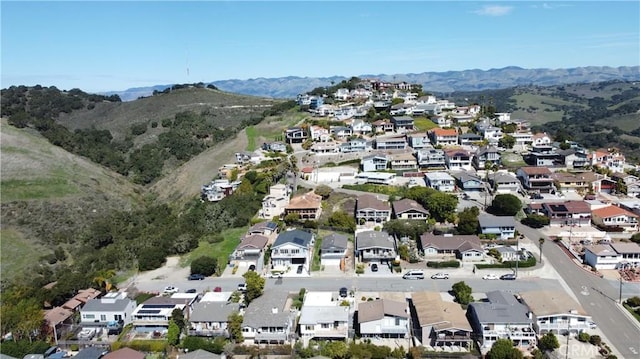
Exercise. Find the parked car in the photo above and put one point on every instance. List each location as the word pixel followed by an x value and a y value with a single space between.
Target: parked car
pixel 275 275
pixel 192 290
pixel 217 289
pixel 440 276
pixel 413 274
pixel 170 289
pixel 196 276
pixel 300 269
pixel 242 287
pixel 252 267
pixel 374 267
pixel 508 276
pixel 490 276
pixel 343 292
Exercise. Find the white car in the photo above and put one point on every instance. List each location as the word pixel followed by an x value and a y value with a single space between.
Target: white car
pixel 490 277
pixel 170 289
pixel 440 276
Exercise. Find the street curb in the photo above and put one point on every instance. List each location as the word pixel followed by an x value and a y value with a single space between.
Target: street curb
pixel 629 315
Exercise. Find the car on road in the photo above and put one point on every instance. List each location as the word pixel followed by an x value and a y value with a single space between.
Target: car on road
pixel 299 270
pixel 440 276
pixel 592 325
pixel 196 276
pixel 217 289
pixel 242 287
pixel 508 276
pixel 374 267
pixel 252 267
pixel 413 274
pixel 170 289
pixel 192 290
pixel 343 292
pixel 275 275
pixel 490 276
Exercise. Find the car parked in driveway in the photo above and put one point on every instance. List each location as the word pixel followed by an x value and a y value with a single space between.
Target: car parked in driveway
pixel 196 276
pixel 300 269
pixel 490 276
pixel 508 276
pixel 374 267
pixel 170 289
pixel 192 290
pixel 343 292
pixel 242 287
pixel 440 276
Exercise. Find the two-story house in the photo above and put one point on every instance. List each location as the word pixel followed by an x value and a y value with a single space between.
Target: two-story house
pixel 250 248
pixel 485 157
pixel 296 135
pixel 383 126
pixel 614 216
pixel 360 127
pixel 457 159
pixel 404 161
pixel 375 246
pixel 418 141
pixel 321 317
pixel 409 209
pixel 354 145
pixel 371 209
pixel 155 312
pixel 536 179
pixel 209 317
pixel 631 182
pixel 402 123
pixel 393 142
pixel 554 311
pixel 383 318
pixel 469 181
pixel 113 307
pixel 502 226
pixel 307 206
pixel 333 250
pixel 291 249
pixel 431 158
pixel 568 213
pixel 504 182
pixel 319 134
pixel 267 320
pixel 440 181
pixel 502 317
pixel 376 162
pixel 274 203
pixel 443 136
pixel 440 323
pixel 469 139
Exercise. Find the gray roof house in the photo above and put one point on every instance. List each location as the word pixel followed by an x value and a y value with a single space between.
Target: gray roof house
pixel 326 322
pixel 383 318
pixel 375 246
pixel 502 317
pixel 468 181
pixel 371 209
pixel 464 247
pixel 333 249
pixel 293 247
pixel 266 320
pixel 409 209
pixel 200 354
pixel 210 319
pixel 502 226
pixel 113 307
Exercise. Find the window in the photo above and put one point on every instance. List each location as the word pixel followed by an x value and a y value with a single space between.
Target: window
pixel 89 316
pixel 103 317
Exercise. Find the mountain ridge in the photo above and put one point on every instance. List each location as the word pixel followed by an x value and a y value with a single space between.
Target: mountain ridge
pixel 437 82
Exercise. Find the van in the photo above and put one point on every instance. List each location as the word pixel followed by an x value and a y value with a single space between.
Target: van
pixel 413 274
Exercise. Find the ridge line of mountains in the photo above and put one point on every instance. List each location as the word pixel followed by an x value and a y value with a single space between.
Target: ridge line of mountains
pixel 436 82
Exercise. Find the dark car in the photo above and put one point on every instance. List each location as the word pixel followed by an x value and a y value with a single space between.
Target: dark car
pixel 299 270
pixel 509 276
pixel 374 267
pixel 196 276
pixel 343 292
pixel 252 267
pixel 192 290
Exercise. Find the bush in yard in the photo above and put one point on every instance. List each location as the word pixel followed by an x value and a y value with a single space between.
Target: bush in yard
pixel 443 264
pixel 535 221
pixel 462 293
pixel 549 342
pixel 633 302
pixel 583 337
pixel 204 265
pixel 595 340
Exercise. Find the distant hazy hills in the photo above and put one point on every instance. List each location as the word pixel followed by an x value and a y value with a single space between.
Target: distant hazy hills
pixel 438 82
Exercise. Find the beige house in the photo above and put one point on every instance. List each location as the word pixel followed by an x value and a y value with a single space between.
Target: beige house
pixel 308 206
pixel 440 323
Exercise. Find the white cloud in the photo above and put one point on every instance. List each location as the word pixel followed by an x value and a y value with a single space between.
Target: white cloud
pixel 494 10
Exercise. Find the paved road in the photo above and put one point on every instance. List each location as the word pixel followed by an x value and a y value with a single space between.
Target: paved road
pixel 597 296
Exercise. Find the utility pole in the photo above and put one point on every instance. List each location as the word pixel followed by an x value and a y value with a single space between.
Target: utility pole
pixel 517 254
pixel 566 354
pixel 620 295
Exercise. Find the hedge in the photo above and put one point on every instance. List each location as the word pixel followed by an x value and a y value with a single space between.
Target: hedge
pixel 444 264
pixel 154 346
pixel 509 264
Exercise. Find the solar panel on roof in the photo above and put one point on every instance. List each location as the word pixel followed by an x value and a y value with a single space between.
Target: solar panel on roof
pixel 161 306
pixel 148 311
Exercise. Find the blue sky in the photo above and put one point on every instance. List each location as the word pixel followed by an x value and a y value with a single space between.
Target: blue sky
pixel 100 46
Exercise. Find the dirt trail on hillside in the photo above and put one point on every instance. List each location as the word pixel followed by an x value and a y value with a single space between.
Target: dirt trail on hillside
pixel 184 183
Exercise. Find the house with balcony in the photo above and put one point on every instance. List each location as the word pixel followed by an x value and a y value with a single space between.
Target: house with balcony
pixel 376 162
pixel 383 318
pixel 630 181
pixel 341 132
pixel 504 182
pixel 441 120
pixel 404 161
pixel 504 227
pixel 250 248
pixel 112 307
pixel 291 249
pixel 554 311
pixel 502 317
pixel 581 182
pixel 568 213
pixel 274 146
pixel 464 247
pixel 325 147
pixel 541 139
pixel 572 158
pixel 601 256
pixel 614 216
pixel 536 179
pixel 492 134
pixel 431 158
pixel 469 181
pixel 268 319
pixel 296 135
pixel 440 323
pixel 274 203
pixel 265 228
pixel 154 314
pixel 209 318
pixel 469 139
pixel 524 139
pixel 457 159
pixel 607 158
pixel 322 317
pixel 418 141
pixel 402 123
pixel 385 178
pixel 394 142
pixel 354 145
pixel 383 126
pixel 444 136
pixel 371 209
pixel 375 246
pixel 360 127
pixel 542 156
pixel 629 254
pixel 319 134
pixel 486 157
pixel 440 181
pixel 308 206
pixel 333 250
pixel 409 209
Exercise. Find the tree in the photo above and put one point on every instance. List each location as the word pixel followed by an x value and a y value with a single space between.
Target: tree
pixel 411 228
pixel 235 327
pixel 403 252
pixel 535 220
pixel 468 220
pixel 507 141
pixel 173 333
pixel 335 349
pixel 177 316
pixel 341 219
pixel 462 292
pixel 548 342
pixel 103 279
pixel 255 286
pixel 324 191
pixel 504 349
pixel 441 205
pixel 204 265
pixel 505 205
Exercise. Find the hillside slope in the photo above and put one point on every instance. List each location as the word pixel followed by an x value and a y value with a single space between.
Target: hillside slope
pixel 47 193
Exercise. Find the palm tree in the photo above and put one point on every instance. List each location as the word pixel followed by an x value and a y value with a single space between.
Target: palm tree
pixel 540 243
pixel 103 279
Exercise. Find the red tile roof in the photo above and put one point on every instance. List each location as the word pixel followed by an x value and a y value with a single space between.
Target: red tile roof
pixel 445 131
pixel 612 211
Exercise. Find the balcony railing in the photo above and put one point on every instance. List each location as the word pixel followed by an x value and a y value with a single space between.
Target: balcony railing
pixel 209 332
pixel 271 336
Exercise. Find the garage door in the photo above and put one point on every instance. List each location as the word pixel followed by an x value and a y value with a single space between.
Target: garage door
pixel 331 262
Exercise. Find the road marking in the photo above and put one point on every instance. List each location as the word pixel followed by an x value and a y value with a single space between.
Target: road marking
pixel 633 350
pixel 585 290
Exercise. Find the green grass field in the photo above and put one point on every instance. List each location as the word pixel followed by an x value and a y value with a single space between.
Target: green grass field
pixel 37 188
pixel 252 133
pixel 17 254
pixel 220 250
pixel 424 124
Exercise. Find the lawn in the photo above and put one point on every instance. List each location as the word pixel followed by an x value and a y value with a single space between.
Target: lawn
pixel 36 188
pixel 17 254
pixel 252 133
pixel 424 124
pixel 220 250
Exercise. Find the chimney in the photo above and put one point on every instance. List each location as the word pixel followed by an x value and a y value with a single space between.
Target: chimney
pixel 274 310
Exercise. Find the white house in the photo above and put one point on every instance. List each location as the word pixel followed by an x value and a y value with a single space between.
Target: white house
pixel 113 307
pixel 383 319
pixel 275 202
pixel 614 216
pixel 323 317
pixel 374 163
pixel 440 181
pixel 601 256
pixel 291 249
pixel 502 226
pixel 554 311
pixel 333 250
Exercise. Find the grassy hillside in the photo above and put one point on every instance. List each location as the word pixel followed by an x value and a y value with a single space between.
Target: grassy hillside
pixel 47 193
